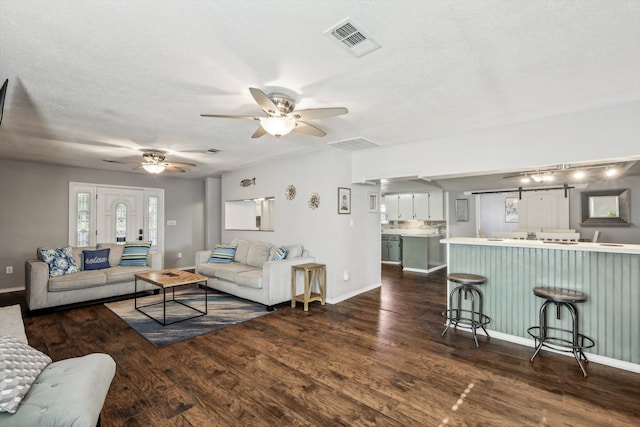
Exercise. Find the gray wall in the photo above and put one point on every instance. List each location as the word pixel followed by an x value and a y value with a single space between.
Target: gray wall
pixel 34 212
pixel 460 228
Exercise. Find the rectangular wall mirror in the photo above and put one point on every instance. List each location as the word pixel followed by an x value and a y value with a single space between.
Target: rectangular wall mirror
pixel 253 214
pixel 605 207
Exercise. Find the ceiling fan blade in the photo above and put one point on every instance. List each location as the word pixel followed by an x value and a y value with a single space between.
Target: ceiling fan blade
pixel 303 127
pixel 318 113
pixel 171 168
pixel 228 116
pixel 180 164
pixel 259 132
pixel 263 101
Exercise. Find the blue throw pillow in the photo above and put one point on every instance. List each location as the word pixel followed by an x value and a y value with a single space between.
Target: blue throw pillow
pixel 279 253
pixel 95 260
pixel 223 254
pixel 135 254
pixel 60 261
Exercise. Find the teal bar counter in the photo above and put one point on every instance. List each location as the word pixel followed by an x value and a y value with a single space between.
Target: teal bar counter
pixel 608 273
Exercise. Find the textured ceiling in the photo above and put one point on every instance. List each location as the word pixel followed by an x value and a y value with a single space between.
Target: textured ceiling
pixel 99 80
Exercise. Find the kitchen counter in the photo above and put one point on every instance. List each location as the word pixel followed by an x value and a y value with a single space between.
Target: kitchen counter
pixel 608 273
pixel 422 253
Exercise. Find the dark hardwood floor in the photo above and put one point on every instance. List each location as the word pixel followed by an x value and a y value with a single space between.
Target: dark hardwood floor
pixel 375 359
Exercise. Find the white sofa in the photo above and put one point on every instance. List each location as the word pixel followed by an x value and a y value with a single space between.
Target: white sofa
pixel 253 275
pixel 69 392
pixel 43 291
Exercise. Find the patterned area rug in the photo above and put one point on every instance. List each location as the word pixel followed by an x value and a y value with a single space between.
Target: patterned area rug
pixel 223 310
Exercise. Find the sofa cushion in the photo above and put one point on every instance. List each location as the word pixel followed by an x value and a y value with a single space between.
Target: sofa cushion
pixel 80 280
pixel 242 250
pixel 60 261
pixel 11 322
pixel 135 253
pixel 115 253
pixel 258 254
pixel 20 365
pixel 251 279
pixel 277 254
pixel 223 254
pixel 124 274
pixel 95 260
pixel 70 392
pixel 294 251
pixel 223 271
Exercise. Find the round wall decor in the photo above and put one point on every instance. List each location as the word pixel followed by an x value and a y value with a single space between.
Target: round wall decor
pixel 314 200
pixel 290 192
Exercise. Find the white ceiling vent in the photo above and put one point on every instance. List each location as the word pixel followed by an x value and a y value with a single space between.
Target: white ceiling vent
pixel 353 144
pixel 351 36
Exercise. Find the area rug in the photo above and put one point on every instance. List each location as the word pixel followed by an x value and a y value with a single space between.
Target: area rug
pixel 223 310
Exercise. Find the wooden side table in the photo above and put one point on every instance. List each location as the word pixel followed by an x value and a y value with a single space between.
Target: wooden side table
pixel 313 273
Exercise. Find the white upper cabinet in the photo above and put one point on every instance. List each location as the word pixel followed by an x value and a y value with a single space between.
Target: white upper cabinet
pixel 436 205
pixel 405 203
pixel 415 206
pixel 391 207
pixel 421 206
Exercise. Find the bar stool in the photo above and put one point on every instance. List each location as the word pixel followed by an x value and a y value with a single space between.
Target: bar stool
pixel 578 342
pixel 457 315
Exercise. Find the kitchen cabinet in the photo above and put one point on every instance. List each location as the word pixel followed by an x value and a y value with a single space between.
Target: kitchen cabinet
pixel 405 207
pixel 421 206
pixel 436 205
pixel 391 207
pixel 415 206
pixel 423 253
pixel 391 248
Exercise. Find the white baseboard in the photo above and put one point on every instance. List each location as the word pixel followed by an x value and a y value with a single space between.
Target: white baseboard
pixel 353 294
pixel 15 289
pixel 528 342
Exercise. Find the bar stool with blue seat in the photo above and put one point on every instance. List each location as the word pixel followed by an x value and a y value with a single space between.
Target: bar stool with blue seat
pixel 567 340
pixel 471 317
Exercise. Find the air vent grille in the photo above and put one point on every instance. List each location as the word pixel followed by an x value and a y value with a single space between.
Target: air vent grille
pixel 351 36
pixel 353 144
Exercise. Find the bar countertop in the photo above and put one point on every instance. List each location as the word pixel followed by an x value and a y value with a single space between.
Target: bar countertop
pixel 621 248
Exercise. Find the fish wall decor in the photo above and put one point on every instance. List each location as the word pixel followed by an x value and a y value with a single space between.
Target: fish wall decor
pixel 247 182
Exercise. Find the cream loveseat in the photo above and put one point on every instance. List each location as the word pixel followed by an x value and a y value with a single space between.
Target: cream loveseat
pixel 252 273
pixel 43 291
pixel 36 392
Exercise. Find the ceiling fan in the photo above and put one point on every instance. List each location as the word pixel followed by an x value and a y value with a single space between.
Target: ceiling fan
pixel 153 161
pixel 282 117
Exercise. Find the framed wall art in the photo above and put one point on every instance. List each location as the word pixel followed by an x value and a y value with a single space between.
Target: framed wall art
pixel 344 200
pixel 462 210
pixel 510 209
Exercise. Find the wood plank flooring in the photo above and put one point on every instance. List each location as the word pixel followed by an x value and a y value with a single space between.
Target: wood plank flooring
pixel 374 360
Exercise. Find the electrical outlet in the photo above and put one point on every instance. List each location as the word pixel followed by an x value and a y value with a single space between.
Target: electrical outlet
pixel 9 269
pixel 179 255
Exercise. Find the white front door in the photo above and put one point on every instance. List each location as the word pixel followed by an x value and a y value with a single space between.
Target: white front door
pixel 120 216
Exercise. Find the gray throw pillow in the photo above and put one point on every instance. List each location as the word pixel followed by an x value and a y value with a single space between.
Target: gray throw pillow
pixel 20 365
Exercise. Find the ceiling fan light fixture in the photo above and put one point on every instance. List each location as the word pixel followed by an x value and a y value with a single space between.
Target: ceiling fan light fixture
pixel 278 126
pixel 154 168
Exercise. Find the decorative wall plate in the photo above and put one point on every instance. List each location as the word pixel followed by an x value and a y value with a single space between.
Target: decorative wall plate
pixel 314 200
pixel 290 192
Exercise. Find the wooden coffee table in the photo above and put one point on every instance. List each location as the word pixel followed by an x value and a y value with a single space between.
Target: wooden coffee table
pixel 171 278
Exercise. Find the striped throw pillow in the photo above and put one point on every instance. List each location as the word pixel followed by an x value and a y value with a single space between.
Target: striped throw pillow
pixel 279 254
pixel 135 254
pixel 223 254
